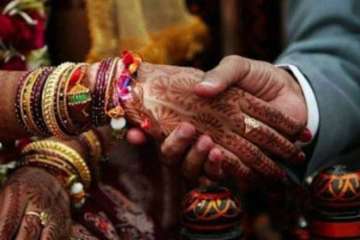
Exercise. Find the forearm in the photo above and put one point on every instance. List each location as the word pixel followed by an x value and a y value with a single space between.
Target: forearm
pixel 10 128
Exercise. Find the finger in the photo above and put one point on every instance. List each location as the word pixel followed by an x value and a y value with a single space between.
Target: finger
pixel 230 71
pixel 234 168
pixel 79 232
pixel 269 115
pixel 58 223
pixel 12 206
pixel 135 136
pixel 30 227
pixel 271 141
pixel 252 156
pixel 213 166
pixel 305 136
pixel 193 163
pixel 205 182
pixel 55 230
pixel 177 142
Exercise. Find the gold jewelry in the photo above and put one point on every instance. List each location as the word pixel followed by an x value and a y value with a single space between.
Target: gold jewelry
pixel 110 86
pixel 64 152
pixel 25 102
pixel 94 144
pixel 64 171
pixel 61 106
pixel 43 216
pixel 250 124
pixel 49 100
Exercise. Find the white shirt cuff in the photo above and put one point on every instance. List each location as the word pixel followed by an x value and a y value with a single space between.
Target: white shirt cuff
pixel 310 99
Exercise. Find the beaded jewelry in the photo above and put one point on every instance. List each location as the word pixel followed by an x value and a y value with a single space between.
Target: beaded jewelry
pixel 122 92
pixel 36 96
pixel 98 116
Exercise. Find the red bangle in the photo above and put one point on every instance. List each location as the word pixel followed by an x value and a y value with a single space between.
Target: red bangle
pixel 18 100
pixel 36 96
pixel 98 116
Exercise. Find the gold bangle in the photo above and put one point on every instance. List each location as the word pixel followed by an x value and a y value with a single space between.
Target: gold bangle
pixel 25 102
pixel 61 108
pixel 66 153
pixel 94 144
pixel 110 85
pixel 64 171
pixel 49 101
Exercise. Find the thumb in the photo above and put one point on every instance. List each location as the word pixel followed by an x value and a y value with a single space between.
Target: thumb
pixel 230 70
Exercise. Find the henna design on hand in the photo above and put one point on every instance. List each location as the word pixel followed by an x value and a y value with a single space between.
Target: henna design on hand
pixel 167 95
pixel 79 232
pixel 33 189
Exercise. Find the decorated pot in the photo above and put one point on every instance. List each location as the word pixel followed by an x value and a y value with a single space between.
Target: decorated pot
pixel 211 213
pixel 335 200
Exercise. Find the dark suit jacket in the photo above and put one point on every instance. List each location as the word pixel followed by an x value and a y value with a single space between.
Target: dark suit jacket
pixel 324 43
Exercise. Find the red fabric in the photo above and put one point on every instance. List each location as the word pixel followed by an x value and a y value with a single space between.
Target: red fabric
pixel 7 29
pixel 339 230
pixel 15 63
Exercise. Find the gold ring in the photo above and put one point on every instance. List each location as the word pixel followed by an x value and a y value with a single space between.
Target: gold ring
pixel 250 124
pixel 43 216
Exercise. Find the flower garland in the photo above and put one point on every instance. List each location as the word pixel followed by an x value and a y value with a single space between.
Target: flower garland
pixel 22 34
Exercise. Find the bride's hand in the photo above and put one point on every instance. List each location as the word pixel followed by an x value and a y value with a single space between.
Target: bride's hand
pixel 165 94
pixel 34 205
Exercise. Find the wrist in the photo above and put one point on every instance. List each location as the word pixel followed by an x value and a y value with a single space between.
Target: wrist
pixel 62 161
pixel 312 109
pixel 296 96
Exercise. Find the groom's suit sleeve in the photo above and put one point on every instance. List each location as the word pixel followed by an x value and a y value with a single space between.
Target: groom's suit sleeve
pixel 324 44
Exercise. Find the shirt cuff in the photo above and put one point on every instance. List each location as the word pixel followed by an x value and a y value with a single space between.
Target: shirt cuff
pixel 310 99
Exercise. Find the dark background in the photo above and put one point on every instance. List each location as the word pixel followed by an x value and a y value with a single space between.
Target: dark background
pixel 248 28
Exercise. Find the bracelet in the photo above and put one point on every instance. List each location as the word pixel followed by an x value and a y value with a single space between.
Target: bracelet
pixel 18 105
pixel 109 108
pixel 36 101
pixel 25 102
pixel 98 116
pixel 49 101
pixel 78 97
pixel 62 171
pixel 122 93
pixel 63 117
pixel 93 144
pixel 64 152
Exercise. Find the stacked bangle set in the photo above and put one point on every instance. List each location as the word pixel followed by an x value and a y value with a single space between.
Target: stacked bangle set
pixel 58 102
pixel 66 164
pixel 47 97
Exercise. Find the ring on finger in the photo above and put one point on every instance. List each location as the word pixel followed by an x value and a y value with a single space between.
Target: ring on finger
pixel 250 124
pixel 43 216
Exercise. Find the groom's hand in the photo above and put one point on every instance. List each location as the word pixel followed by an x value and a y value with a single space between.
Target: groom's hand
pixel 265 81
pixel 253 117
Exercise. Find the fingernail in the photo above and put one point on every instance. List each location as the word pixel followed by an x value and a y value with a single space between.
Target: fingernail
pixel 207 84
pixel 300 158
pixel 215 155
pixel 306 136
pixel 204 144
pixel 185 131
